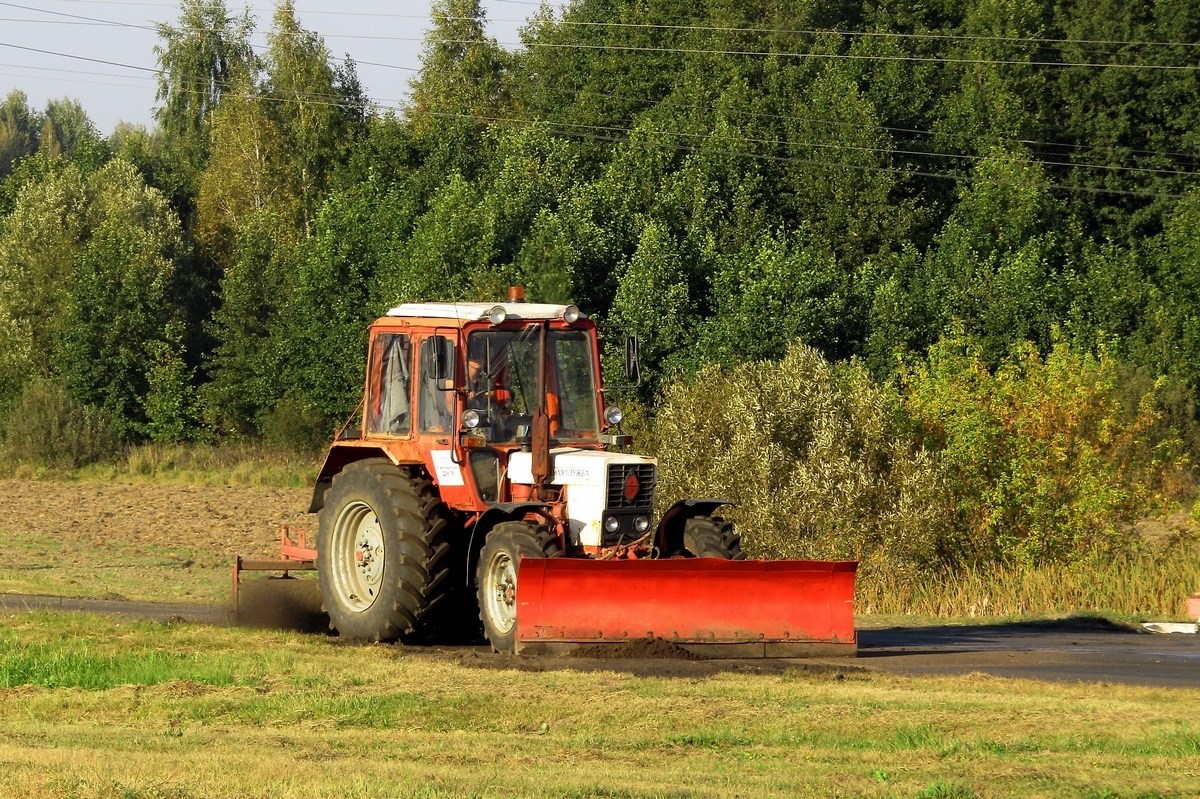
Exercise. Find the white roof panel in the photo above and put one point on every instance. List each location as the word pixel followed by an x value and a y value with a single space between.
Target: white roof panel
pixel 467 311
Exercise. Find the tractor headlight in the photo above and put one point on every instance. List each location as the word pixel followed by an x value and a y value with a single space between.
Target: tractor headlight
pixel 611 525
pixel 571 314
pixel 471 419
pixel 613 415
pixel 641 523
pixel 497 315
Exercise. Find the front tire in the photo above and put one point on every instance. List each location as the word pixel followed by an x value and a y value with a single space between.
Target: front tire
pixel 712 537
pixel 496 576
pixel 381 551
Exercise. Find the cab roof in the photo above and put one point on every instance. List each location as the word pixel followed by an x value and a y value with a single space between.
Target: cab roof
pixel 471 311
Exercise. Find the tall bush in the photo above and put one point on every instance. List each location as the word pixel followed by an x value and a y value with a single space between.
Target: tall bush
pixel 48 428
pixel 817 459
pixel 1049 459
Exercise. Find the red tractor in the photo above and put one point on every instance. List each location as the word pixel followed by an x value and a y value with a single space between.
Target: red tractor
pixel 484 460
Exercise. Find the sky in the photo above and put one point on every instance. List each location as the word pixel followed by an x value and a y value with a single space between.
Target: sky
pixel 101 52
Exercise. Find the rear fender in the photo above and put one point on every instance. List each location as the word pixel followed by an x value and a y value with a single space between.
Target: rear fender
pixel 669 536
pixel 338 458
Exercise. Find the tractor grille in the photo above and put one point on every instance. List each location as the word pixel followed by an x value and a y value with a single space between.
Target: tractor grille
pixel 618 478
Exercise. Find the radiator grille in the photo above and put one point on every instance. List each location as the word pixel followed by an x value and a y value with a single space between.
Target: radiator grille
pixel 618 474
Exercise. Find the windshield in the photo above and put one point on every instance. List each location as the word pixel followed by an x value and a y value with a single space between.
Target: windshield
pixel 502 383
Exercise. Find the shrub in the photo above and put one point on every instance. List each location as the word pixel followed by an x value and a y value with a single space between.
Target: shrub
pixel 296 425
pixel 817 459
pixel 47 428
pixel 1050 459
pixel 172 404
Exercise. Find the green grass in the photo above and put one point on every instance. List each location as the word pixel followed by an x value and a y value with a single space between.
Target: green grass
pixel 250 465
pixel 193 711
pixel 44 563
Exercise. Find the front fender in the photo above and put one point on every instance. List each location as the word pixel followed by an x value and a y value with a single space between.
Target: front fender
pixel 669 536
pixel 500 512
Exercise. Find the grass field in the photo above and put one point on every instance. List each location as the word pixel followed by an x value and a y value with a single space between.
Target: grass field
pixel 99 708
pixel 93 708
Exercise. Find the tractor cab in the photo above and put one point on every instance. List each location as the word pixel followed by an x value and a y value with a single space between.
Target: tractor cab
pixel 484 396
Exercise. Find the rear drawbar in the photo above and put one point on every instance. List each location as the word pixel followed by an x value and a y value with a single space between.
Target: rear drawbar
pixel 710 606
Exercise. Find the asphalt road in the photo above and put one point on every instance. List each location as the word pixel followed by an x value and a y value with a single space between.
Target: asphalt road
pixel 1089 650
pixel 1075 650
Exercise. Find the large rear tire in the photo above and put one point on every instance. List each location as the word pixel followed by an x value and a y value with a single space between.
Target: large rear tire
pixel 712 537
pixel 382 553
pixel 496 576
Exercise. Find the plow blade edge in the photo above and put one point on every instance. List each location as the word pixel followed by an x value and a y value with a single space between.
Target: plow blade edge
pixel 713 607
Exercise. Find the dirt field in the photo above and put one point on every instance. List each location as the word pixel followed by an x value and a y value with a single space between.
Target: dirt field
pixel 219 520
pixel 151 542
pixel 134 549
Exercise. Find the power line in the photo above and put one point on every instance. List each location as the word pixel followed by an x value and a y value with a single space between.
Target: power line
pixel 79 57
pixel 721 29
pixel 320 98
pixel 589 132
pixel 953 37
pixel 769 53
pixel 891 152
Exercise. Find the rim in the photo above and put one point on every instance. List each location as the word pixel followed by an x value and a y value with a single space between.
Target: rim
pixel 500 592
pixel 357 555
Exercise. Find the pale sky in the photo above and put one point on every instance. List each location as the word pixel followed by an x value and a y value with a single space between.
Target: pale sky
pixel 101 52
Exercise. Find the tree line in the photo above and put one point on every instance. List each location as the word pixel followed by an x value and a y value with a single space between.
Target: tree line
pixel 721 179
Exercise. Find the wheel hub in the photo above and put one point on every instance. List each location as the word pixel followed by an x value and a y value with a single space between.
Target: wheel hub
pixel 503 596
pixel 358 556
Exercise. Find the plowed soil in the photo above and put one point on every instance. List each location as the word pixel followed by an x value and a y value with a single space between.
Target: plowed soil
pixel 219 521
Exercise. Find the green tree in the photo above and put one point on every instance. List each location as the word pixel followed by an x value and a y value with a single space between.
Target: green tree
pixel 66 128
pixel 1168 340
pixel 779 289
pixel 1127 103
pixel 86 264
pixel 203 56
pixel 463 77
pixel 39 241
pixel 998 265
pixel 18 131
pixel 315 107
pixel 653 303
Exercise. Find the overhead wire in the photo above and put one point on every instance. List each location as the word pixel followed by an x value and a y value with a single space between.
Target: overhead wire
pixel 618 134
pixel 774 32
pixel 614 133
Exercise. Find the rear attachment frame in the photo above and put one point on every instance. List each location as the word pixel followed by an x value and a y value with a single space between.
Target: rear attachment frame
pixel 294 556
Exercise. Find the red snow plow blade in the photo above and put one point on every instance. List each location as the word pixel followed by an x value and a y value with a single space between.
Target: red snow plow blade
pixel 713 607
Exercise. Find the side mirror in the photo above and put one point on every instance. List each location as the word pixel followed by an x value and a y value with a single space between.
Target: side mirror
pixel 633 365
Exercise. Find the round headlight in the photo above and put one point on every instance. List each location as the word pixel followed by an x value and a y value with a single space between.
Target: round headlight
pixel 611 524
pixel 641 524
pixel 471 419
pixel 613 414
pixel 571 314
pixel 497 314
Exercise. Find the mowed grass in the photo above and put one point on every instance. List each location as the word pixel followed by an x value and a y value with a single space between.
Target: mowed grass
pixel 98 708
pixel 45 563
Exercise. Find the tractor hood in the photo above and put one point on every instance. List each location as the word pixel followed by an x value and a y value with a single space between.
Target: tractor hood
pixel 597 485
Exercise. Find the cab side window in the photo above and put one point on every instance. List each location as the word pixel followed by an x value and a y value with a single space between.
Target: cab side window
pixel 391 404
pixel 435 402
